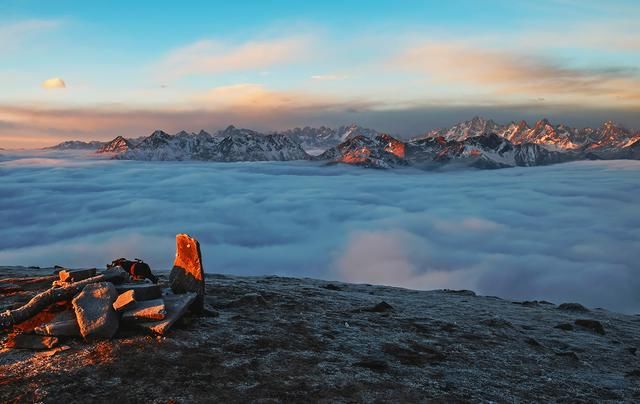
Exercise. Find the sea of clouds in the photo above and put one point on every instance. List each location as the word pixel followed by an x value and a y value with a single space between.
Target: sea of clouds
pixel 567 232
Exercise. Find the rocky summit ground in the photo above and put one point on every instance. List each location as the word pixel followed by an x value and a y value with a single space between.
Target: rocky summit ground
pixel 274 339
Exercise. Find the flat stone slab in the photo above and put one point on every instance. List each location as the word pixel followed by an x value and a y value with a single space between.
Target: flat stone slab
pixel 30 341
pixel 175 306
pixel 94 311
pixel 141 291
pixel 187 274
pixel 125 301
pixel 62 325
pixel 75 275
pixel 145 311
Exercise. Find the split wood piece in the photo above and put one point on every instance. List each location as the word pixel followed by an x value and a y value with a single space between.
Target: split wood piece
pixel 141 291
pixel 149 310
pixel 75 275
pixel 29 280
pixel 176 306
pixel 30 341
pixel 40 301
pixel 62 325
pixel 125 301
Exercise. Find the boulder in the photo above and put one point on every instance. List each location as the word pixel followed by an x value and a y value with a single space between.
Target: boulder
pixel 62 325
pixel 116 275
pixel 187 274
pixel 124 301
pixel 593 325
pixel 141 290
pixel 68 275
pixel 148 310
pixel 94 310
pixel 175 306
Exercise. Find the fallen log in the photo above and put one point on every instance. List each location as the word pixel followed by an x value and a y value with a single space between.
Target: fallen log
pixel 29 280
pixel 42 300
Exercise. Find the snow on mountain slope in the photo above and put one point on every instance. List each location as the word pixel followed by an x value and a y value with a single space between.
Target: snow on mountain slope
pixel 323 138
pixel 382 151
pixel 232 144
pixel 117 145
pixel 461 131
pixel 483 151
pixel 77 145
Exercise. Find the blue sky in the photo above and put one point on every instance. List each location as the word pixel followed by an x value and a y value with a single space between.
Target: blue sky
pixel 405 66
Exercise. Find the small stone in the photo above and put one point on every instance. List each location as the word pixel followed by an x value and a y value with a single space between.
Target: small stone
pixel 94 310
pixel 141 291
pixel 331 286
pixel 68 275
pixel 30 341
pixel 175 306
pixel 381 307
pixel 564 326
pixel 187 274
pixel 124 301
pixel 577 307
pixel 533 342
pixel 496 323
pixel 592 325
pixel 632 350
pixel 569 354
pixel 461 292
pixel 62 325
pixel 148 310
pixel 116 275
pixel 372 363
pixel 249 299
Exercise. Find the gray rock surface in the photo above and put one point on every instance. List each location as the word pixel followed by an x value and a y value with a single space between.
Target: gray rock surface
pixel 94 311
pixel 320 344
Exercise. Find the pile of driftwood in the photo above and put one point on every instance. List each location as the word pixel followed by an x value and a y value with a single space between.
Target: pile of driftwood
pixel 94 305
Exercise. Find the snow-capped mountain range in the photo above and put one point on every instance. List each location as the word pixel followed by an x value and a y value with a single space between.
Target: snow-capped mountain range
pixel 543 132
pixel 231 144
pixel 478 142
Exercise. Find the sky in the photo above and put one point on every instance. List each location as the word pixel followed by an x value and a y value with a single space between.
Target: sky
pixel 95 70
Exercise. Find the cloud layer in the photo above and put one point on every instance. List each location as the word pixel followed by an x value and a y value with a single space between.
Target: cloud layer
pixel 562 233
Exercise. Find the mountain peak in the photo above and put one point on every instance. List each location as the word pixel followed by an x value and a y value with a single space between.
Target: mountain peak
pixel 159 133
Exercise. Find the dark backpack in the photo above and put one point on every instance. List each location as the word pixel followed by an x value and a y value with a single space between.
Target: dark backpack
pixel 137 269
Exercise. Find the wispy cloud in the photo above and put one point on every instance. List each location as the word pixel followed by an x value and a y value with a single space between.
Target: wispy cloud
pixel 12 35
pixel 505 72
pixel 210 56
pixel 329 77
